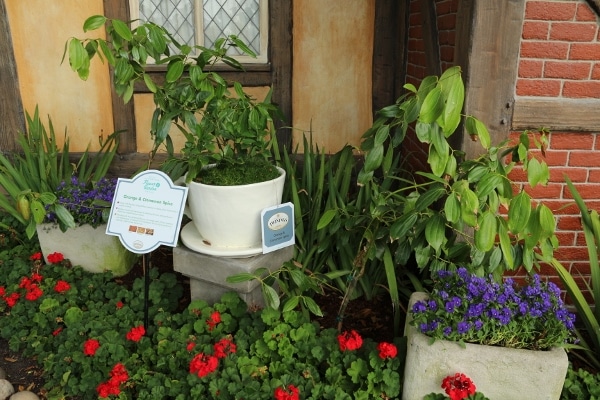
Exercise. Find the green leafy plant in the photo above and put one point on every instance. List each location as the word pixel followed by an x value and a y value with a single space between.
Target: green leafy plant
pixel 31 177
pixel 454 214
pixel 588 313
pixel 219 127
pixel 581 384
pixel 469 309
pixel 87 331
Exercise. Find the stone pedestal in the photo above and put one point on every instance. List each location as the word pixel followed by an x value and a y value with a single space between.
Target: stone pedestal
pixel 208 274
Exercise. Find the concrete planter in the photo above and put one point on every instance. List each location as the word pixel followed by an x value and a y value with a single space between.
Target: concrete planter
pixel 90 248
pixel 498 372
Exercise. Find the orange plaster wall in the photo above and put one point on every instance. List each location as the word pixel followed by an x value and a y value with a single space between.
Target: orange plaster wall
pixel 332 76
pixel 39 38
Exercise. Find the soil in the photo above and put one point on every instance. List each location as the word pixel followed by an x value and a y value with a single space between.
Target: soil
pixel 372 319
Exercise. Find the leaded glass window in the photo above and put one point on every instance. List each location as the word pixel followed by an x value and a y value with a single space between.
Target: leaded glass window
pixel 201 22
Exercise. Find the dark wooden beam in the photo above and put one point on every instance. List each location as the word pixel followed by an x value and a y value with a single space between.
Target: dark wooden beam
pixel 431 38
pixel 595 5
pixel 12 118
pixel 557 114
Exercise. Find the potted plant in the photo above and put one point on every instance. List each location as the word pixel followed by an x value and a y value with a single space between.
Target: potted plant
pixel 468 323
pixel 51 195
pixel 228 136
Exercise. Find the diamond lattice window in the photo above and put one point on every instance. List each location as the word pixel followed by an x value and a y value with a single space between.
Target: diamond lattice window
pixel 201 22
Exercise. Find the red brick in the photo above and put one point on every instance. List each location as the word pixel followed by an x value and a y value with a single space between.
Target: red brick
pixel 548 10
pixel 448 37
pixel 586 190
pixel 574 253
pixel 535 30
pixel 538 87
pixel 585 51
pixel 580 239
pixel 583 159
pixel 443 7
pixel 573 31
pixel 556 158
pixel 445 22
pixel 578 89
pixel 565 238
pixel 562 207
pixel 574 174
pixel 580 269
pixel 585 13
pixel 567 69
pixel 569 223
pixel 572 141
pixel 550 191
pixel 544 50
pixel 447 53
pixel 594 175
pixel 530 68
pixel 596 72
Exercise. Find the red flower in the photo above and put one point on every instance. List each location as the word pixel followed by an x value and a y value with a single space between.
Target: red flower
pixel 90 346
pixel 136 333
pixel 55 258
pixel 11 299
pixel 25 283
pixel 35 277
pixel 458 387
pixel 214 319
pixel 224 347
pixel 350 340
pixel 33 292
pixel 61 286
pixel 119 304
pixel 291 393
pixel 36 256
pixel 387 350
pixel 2 291
pixel 118 375
pixel 57 331
pixel 190 346
pixel 203 364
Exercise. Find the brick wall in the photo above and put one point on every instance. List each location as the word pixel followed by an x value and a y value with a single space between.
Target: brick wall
pixel 560 58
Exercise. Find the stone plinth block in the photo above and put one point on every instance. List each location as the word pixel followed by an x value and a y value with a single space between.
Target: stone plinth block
pixel 208 274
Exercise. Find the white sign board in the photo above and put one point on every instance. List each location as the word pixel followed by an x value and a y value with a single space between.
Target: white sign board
pixel 147 211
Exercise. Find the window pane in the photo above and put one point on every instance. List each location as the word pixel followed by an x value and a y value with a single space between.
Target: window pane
pixel 176 16
pixel 232 17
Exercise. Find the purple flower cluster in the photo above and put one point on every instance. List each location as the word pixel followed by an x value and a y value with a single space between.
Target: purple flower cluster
pixel 465 307
pixel 88 203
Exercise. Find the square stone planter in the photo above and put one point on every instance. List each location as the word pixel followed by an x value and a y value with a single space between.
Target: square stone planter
pixel 90 248
pixel 497 372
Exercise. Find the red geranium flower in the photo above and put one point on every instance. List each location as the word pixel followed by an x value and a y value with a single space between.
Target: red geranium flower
pixel 203 364
pixel 118 375
pixel 119 304
pixel 57 331
pixel 61 286
pixel 55 258
pixel 35 277
pixel 291 393
pixel 190 346
pixel 458 386
pixel 36 256
pixel 2 291
pixel 12 299
pixel 33 292
pixel 106 389
pixel 224 347
pixel 387 350
pixel 136 333
pixel 90 346
pixel 25 282
pixel 350 340
pixel 214 319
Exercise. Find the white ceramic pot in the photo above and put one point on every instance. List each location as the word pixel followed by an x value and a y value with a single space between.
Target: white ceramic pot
pixel 90 248
pixel 228 217
pixel 497 372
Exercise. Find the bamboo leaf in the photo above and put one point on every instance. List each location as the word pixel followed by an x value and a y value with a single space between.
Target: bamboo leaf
pixel 435 231
pixel 486 234
pixel 519 211
pixel 432 106
pixel 326 219
pixel 94 22
pixel 122 29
